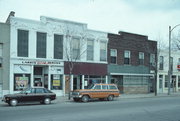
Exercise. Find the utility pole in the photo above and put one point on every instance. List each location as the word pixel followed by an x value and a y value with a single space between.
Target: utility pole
pixel 170 63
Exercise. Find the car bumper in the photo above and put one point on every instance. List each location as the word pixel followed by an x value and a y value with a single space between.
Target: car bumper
pixel 76 96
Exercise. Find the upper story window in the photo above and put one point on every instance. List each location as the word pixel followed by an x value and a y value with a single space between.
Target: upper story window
pixel 41 45
pixel 113 54
pixel 1 54
pixel 76 48
pixel 141 58
pixel 152 60
pixel 58 46
pixel 90 50
pixel 103 51
pixel 127 57
pixel 22 43
pixel 161 63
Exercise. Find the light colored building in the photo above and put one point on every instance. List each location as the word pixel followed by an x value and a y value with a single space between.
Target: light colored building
pixel 163 67
pixel 36 52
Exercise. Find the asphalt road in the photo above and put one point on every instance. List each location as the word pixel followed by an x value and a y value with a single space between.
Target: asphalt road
pixel 143 109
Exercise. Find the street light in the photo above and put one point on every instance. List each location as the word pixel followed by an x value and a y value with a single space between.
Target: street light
pixel 170 69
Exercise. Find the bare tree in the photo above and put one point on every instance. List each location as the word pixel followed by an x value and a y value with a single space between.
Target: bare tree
pixel 74 49
pixel 176 40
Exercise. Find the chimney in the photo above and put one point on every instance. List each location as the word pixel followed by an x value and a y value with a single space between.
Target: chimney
pixel 12 13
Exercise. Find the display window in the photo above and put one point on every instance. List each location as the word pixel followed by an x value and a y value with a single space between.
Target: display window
pixel 56 82
pixel 21 81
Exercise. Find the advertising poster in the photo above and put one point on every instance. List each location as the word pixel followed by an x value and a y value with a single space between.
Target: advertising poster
pixel 21 82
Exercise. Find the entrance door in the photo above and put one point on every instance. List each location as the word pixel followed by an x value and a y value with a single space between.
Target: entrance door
pixel 160 83
pixel 38 81
pixel 67 81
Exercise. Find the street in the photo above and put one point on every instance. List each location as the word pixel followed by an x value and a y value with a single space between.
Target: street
pixel 140 109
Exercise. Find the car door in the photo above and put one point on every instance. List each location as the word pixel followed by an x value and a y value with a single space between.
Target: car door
pixel 96 92
pixel 27 95
pixel 39 94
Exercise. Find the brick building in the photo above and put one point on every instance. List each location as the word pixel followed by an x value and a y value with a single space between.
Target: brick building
pixel 132 62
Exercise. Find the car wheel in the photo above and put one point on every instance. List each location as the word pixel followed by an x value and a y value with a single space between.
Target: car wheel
pixel 13 102
pixel 110 98
pixel 85 98
pixel 47 101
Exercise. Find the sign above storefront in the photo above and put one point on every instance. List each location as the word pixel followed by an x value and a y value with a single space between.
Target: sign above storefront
pixel 41 62
pixel 178 67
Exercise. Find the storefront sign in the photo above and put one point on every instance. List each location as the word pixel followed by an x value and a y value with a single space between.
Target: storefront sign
pixel 178 67
pixel 56 82
pixel 41 62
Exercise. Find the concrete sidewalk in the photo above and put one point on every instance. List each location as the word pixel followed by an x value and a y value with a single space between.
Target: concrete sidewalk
pixel 65 99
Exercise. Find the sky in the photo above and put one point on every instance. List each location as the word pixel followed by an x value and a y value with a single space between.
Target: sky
pixel 146 17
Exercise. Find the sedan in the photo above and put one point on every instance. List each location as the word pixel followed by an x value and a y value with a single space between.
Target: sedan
pixel 37 94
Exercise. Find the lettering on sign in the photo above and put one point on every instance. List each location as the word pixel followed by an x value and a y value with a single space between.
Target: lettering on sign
pixel 41 62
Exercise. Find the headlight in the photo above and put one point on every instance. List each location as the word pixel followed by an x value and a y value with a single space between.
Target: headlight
pixel 75 93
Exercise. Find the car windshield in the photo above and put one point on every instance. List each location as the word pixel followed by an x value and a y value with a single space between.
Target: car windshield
pixel 91 86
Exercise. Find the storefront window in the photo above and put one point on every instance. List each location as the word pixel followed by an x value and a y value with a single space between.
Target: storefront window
pixel 21 81
pixel 56 82
pixel 89 80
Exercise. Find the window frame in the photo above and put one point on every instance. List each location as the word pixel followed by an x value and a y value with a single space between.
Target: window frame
pixel 113 56
pixel 127 57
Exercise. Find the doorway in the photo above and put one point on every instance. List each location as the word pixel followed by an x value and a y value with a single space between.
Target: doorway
pixel 40 76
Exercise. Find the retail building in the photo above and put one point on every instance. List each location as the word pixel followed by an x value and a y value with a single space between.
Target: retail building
pixel 33 53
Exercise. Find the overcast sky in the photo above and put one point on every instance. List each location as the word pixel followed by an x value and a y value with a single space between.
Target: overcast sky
pixel 146 17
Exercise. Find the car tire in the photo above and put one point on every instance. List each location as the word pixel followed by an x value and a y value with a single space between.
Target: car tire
pixel 110 98
pixel 13 102
pixel 85 98
pixel 47 101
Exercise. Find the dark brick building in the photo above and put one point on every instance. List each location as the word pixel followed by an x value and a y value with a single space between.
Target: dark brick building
pixel 132 62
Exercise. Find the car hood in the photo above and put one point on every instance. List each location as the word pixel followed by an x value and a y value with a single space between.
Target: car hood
pixel 12 95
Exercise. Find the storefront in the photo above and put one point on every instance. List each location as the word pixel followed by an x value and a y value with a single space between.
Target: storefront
pixel 85 74
pixel 37 73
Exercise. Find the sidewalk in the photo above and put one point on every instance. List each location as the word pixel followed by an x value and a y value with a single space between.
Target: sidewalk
pixel 61 99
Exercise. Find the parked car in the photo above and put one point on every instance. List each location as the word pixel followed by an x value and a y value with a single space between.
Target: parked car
pixel 37 94
pixel 99 91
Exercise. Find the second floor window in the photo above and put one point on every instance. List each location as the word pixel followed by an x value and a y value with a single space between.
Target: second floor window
pixel 161 63
pixel 22 43
pixel 113 54
pixel 76 48
pixel 152 60
pixel 141 58
pixel 103 48
pixel 127 55
pixel 90 50
pixel 58 46
pixel 41 45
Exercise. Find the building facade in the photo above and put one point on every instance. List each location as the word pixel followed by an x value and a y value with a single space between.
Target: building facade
pixel 37 53
pixel 132 62
pixel 163 67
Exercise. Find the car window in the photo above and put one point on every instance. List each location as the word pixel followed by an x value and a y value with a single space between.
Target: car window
pixel 39 90
pixel 47 91
pixel 112 87
pixel 104 87
pixel 97 87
